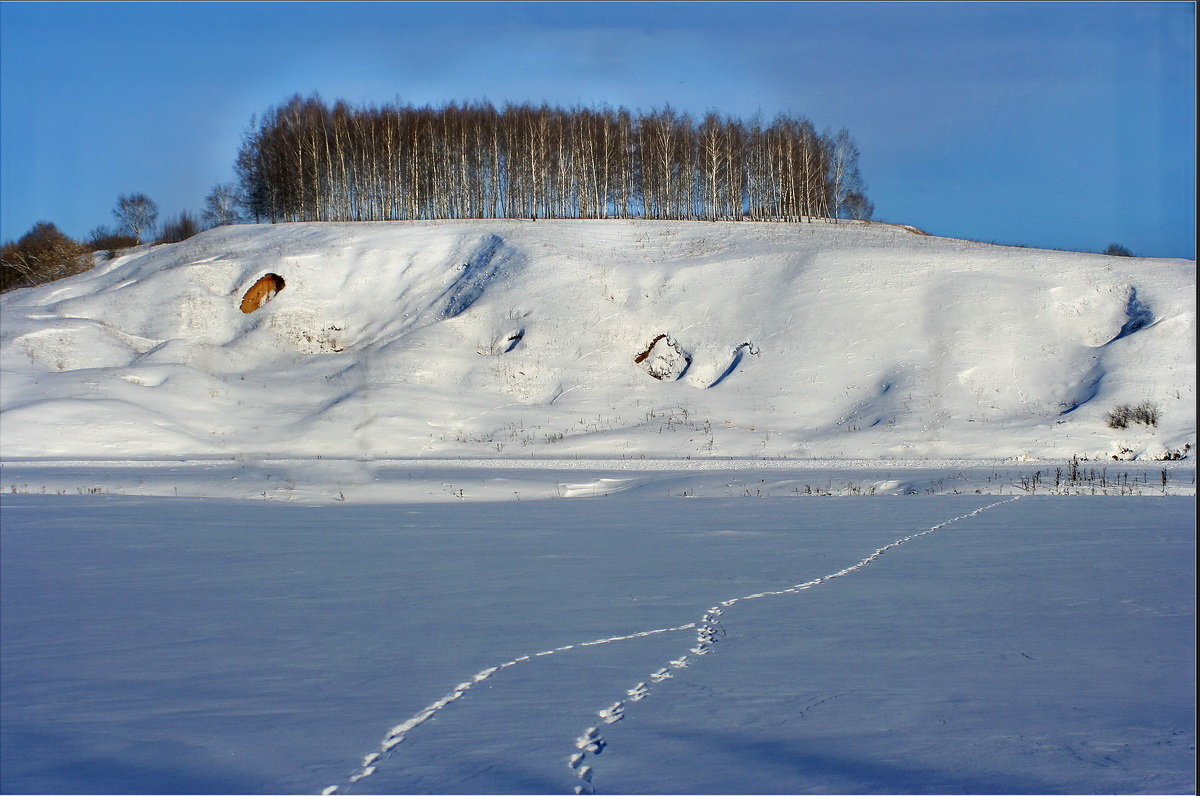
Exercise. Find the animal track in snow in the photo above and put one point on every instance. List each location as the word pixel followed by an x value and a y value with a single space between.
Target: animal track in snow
pixel 585 777
pixel 708 628
pixel 613 713
pixel 590 741
pixel 637 693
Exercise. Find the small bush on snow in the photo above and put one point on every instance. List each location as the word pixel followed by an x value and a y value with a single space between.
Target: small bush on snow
pixel 1122 416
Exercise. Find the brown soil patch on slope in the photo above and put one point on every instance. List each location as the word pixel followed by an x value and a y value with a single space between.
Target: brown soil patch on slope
pixel 261 292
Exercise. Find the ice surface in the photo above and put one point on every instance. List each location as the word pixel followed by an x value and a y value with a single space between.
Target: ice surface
pixel 160 645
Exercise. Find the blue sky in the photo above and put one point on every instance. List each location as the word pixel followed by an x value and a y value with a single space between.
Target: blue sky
pixel 1063 125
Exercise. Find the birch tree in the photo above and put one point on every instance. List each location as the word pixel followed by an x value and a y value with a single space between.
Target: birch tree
pixel 136 213
pixel 306 160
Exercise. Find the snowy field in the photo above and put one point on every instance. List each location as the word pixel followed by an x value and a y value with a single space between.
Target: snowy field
pixel 1009 644
pixel 602 506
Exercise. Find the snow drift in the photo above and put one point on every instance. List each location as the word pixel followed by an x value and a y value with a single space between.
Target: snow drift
pixel 520 339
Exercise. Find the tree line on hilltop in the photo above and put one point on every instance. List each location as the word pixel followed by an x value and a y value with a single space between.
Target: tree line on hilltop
pixel 309 161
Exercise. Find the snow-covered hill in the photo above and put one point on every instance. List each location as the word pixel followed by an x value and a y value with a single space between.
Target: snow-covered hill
pixel 600 339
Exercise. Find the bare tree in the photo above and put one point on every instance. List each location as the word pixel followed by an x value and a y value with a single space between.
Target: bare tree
pixel 223 205
pixel 308 161
pixel 136 213
pixel 858 206
pixel 844 178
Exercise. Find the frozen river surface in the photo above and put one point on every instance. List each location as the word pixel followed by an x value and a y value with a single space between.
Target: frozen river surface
pixel 710 645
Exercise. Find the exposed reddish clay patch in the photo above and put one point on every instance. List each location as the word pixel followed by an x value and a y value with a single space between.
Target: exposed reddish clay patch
pixel 261 292
pixel 666 362
pixel 642 356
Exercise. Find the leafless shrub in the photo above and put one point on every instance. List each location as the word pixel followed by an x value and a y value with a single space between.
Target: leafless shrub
pixel 1125 415
pixel 104 239
pixel 179 228
pixel 41 255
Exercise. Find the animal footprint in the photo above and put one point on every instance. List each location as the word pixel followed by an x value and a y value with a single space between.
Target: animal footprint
pixel 706 636
pixel 590 741
pixel 613 713
pixel 585 775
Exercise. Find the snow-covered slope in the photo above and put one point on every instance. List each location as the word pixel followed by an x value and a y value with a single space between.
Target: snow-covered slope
pixel 600 339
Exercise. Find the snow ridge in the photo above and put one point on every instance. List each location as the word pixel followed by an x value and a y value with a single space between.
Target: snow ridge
pixel 707 631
